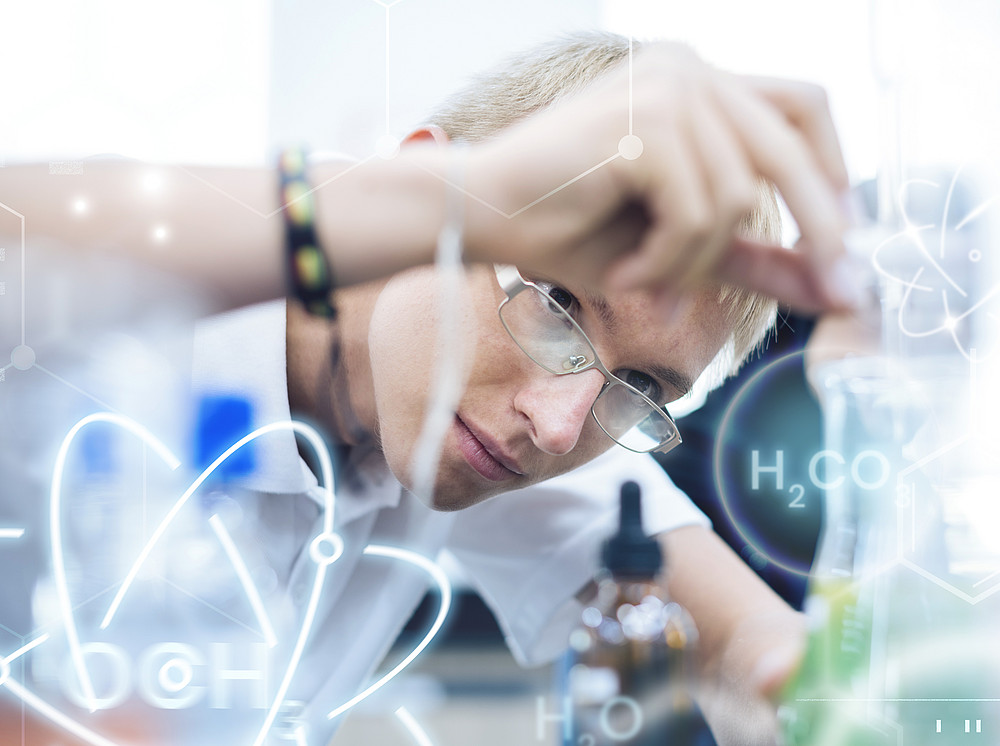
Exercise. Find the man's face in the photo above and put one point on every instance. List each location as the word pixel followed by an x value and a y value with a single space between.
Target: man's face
pixel 517 424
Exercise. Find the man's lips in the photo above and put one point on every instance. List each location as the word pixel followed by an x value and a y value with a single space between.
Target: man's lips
pixel 483 455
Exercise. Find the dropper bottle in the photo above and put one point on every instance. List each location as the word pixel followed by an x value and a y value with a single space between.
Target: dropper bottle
pixel 633 653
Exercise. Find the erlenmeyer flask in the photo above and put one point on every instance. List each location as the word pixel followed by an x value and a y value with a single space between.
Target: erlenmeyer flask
pixel 902 607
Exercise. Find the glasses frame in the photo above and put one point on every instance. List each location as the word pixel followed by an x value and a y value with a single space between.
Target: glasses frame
pixel 512 284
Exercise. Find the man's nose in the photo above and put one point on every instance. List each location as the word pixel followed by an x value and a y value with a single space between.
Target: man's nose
pixel 557 408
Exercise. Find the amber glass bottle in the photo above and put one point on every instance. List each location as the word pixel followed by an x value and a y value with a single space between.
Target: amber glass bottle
pixel 632 655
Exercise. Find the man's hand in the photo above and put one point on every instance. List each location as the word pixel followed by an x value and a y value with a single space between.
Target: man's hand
pixel 659 209
pixel 751 641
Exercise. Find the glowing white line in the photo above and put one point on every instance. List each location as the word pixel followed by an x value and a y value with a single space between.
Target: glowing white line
pixel 24 272
pixel 243 573
pixel 26 648
pixel 972 600
pixel 444 587
pixel 55 529
pixel 976 212
pixel 11 533
pixel 902 309
pixel 145 491
pixel 630 84
pixel 207 605
pixel 226 194
pixel 988 577
pixel 293 662
pixel 411 724
pixel 931 456
pixel 927 255
pixel 559 188
pixel 449 376
pixel 24 263
pixel 888 275
pixel 514 214
pixel 326 468
pixel 77 389
pixel 951 322
pixel 904 188
pixel 46 710
pixel 914 231
pixel 975 307
pixel 386 28
pixel 272 213
pixel 326 473
pixel 947 209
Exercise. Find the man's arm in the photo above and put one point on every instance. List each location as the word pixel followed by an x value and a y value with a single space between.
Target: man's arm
pixel 750 640
pixel 661 216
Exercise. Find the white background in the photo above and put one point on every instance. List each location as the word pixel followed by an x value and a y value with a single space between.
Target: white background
pixel 226 81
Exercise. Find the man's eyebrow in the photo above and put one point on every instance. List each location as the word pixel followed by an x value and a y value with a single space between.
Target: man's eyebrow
pixel 672 377
pixel 603 309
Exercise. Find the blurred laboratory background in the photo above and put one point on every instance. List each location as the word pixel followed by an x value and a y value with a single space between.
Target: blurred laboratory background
pixel 233 81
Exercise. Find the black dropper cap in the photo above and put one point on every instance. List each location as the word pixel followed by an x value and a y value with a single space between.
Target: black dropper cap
pixel 630 553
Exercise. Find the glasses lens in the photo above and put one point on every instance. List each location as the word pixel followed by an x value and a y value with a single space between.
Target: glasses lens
pixel 544 331
pixel 547 335
pixel 632 421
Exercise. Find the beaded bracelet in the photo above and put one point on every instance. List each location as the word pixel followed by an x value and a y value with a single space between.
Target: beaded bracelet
pixel 310 279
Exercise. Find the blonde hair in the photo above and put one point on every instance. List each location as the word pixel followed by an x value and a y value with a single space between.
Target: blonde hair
pixel 529 82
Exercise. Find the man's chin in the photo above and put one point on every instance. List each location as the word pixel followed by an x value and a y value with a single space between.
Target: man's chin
pixel 449 500
pixel 456 491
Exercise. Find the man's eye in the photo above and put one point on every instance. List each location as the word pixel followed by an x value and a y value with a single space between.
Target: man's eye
pixel 642 382
pixel 563 297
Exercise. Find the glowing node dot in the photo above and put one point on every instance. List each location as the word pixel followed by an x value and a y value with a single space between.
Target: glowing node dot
pixel 975 255
pixel 950 323
pixel 387 147
pixel 81 206
pixel 630 147
pixel 160 233
pixel 22 357
pixel 171 685
pixel 326 549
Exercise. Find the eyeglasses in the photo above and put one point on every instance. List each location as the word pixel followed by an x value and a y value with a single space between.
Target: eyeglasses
pixel 547 334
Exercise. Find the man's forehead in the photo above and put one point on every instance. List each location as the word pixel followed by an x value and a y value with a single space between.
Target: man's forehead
pixel 676 350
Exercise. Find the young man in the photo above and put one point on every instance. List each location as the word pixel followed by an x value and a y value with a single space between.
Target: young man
pixel 367 378
pixel 517 424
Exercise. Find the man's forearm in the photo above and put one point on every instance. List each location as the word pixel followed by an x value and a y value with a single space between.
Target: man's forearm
pixel 750 639
pixel 222 226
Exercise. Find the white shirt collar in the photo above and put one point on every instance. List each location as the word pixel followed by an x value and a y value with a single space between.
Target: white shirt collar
pixel 242 353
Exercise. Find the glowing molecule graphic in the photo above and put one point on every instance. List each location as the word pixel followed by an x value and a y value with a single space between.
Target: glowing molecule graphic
pixel 936 262
pixel 174 666
pixel 176 673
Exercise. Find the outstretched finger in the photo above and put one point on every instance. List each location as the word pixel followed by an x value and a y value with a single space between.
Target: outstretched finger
pixel 782 273
pixel 807 107
pixel 780 153
pixel 730 183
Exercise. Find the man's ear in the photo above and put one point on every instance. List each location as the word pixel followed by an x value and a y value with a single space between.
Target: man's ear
pixel 427 133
